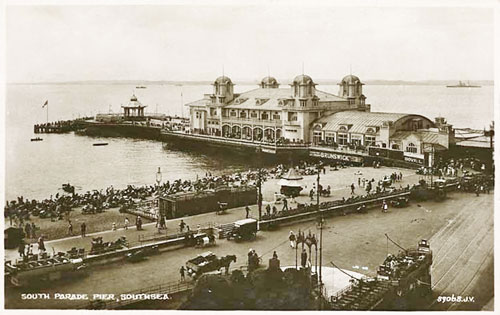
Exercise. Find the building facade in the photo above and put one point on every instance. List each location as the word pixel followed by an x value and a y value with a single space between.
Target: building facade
pixel 271 113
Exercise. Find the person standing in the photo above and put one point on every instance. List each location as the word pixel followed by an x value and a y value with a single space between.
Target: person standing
pixel 182 225
pixel 285 205
pixel 139 223
pixel 311 194
pixel 247 210
pixel 33 230
pixel 41 244
pixel 303 258
pixel 292 239
pixel 83 229
pixel 22 248
pixel 126 223
pixel 182 272
pixel 70 228
pixel 352 188
pixel 27 230
pixel 385 206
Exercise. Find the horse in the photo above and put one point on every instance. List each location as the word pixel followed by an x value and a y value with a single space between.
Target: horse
pixel 225 261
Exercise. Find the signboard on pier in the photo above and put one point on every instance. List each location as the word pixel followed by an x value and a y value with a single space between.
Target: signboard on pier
pixel 336 156
pixel 414 160
pixel 268 150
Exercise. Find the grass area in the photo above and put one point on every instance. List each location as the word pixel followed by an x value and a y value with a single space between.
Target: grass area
pixel 94 222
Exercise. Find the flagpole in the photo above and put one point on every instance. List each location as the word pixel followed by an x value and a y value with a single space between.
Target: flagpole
pixel 47 113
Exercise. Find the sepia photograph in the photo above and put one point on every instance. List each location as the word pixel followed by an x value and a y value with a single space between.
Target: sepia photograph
pixel 255 155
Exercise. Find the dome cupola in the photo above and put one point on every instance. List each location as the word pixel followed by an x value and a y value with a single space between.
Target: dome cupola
pixel 223 90
pixel 351 88
pixel 269 83
pixel 303 86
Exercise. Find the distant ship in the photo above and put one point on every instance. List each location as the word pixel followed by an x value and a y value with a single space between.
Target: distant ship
pixel 463 85
pixel 140 87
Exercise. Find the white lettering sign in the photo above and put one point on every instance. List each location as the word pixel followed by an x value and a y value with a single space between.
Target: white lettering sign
pixel 335 156
pixel 414 160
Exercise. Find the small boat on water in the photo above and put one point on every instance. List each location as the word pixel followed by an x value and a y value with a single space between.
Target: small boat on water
pixel 100 144
pixel 36 139
pixel 140 87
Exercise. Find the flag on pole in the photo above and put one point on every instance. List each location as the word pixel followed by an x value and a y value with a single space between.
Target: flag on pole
pixel 45 104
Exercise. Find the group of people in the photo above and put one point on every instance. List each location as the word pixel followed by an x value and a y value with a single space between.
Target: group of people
pixel 26 250
pixel 253 260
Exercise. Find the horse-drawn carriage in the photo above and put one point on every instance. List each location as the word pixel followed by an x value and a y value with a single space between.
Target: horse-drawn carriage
pixel 245 229
pixel 208 262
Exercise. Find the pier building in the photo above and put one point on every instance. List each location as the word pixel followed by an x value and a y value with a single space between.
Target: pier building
pixel 271 113
pixel 134 109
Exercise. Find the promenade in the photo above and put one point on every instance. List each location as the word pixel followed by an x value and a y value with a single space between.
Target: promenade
pixel 354 242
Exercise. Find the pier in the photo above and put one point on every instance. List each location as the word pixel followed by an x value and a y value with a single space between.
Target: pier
pixel 61 126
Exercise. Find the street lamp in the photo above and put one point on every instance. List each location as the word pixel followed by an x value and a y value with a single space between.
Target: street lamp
pixel 259 182
pixel 158 177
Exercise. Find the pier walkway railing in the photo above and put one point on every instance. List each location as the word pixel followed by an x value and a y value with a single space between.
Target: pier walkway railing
pixel 332 210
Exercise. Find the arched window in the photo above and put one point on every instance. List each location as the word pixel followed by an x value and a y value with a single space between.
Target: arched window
pixel 412 148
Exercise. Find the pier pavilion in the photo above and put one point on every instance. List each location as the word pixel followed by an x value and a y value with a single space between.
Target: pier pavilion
pixel 134 109
pixel 271 113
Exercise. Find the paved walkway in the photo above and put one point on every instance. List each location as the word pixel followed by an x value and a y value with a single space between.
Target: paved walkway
pixel 336 179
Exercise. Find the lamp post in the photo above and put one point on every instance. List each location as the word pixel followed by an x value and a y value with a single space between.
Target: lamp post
pixel 158 177
pixel 259 182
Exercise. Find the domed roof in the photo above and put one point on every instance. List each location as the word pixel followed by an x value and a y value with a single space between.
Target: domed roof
pixel 269 81
pixel 351 79
pixel 134 102
pixel 302 79
pixel 223 80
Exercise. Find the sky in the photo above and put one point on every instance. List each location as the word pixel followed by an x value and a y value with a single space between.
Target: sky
pixel 193 42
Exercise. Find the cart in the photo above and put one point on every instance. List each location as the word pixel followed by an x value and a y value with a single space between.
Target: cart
pixel 204 240
pixel 400 202
pixel 222 207
pixel 245 229
pixel 203 263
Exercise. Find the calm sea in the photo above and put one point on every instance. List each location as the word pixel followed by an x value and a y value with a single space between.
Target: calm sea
pixel 38 169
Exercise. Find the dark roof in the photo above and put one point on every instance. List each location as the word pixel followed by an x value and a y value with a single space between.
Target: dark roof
pixel 358 121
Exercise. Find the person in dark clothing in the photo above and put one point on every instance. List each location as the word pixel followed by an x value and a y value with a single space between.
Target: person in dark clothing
pixel 27 230
pixel 268 209
pixel 182 272
pixel 83 229
pixel 352 188
pixel 33 230
pixel 182 225
pixel 285 205
pixel 22 247
pixel 247 210
pixel 303 258
pixel 41 244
